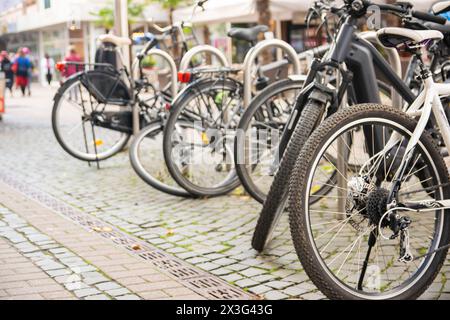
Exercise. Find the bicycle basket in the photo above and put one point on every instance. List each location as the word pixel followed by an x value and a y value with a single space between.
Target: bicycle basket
pixel 106 87
pixel 106 53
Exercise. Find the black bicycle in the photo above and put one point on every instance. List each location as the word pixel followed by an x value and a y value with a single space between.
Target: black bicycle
pixel 357 63
pixel 92 116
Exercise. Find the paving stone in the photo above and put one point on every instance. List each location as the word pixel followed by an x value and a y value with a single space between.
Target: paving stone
pixel 232 277
pixel 98 297
pixel 237 267
pixel 313 296
pixel 296 291
pixel 278 284
pixel 50 265
pixel 129 297
pixel 118 292
pixel 245 283
pixel 264 278
pixel 260 289
pixel 275 295
pixel 221 271
pixel 72 286
pixel 81 293
pixel 58 272
pixel 108 286
pixel 252 272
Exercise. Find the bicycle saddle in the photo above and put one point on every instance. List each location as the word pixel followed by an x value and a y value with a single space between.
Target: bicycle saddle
pixel 247 34
pixel 440 7
pixel 118 41
pixel 393 37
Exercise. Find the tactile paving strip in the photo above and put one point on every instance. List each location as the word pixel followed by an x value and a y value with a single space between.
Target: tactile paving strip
pixel 201 282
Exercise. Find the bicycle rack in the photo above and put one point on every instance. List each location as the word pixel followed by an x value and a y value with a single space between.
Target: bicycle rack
pixel 173 86
pixel 213 51
pixel 255 52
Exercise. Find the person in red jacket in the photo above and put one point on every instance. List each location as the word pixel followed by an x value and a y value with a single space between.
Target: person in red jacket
pixel 71 69
pixel 22 67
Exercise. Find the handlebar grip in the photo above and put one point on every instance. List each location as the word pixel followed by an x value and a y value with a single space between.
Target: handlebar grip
pixel 429 17
pixel 390 7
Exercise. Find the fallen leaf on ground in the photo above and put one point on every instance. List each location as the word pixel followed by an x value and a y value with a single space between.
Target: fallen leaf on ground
pixel 136 247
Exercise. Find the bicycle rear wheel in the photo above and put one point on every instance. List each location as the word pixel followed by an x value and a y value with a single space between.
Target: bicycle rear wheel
pixel 74 127
pixel 348 253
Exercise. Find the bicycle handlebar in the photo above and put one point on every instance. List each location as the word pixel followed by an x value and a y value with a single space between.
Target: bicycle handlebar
pixel 429 17
pixel 360 7
pixel 161 29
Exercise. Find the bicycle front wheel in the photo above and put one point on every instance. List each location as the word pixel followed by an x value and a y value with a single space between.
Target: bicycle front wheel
pixel 347 249
pixel 277 198
pixel 199 137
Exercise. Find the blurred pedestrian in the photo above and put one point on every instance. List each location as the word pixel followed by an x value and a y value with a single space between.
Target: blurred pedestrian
pixel 6 66
pixel 48 65
pixel 27 53
pixel 22 66
pixel 73 59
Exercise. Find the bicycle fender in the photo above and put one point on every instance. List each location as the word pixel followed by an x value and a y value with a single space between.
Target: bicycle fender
pixel 62 87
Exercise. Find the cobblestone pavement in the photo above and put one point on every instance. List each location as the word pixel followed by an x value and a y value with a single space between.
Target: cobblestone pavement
pixel 213 235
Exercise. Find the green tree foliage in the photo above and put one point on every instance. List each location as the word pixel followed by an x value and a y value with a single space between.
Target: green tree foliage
pixel 105 16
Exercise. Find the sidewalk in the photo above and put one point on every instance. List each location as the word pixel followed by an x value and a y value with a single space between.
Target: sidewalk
pixel 48 256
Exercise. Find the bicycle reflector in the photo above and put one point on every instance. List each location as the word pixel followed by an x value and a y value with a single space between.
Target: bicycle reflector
pixel 184 77
pixel 60 66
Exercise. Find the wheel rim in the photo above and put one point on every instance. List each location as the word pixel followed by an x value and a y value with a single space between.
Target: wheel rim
pixel 201 142
pixel 337 253
pixel 148 159
pixel 259 158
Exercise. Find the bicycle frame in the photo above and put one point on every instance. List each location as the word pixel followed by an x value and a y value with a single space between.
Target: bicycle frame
pixel 427 103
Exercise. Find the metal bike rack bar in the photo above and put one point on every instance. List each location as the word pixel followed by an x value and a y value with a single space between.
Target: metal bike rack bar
pixel 213 51
pixel 173 86
pixel 255 52
pixel 173 69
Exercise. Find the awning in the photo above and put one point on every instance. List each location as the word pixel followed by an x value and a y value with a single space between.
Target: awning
pixel 235 11
pixel 218 11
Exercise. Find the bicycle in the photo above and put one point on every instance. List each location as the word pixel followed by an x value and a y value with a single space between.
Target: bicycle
pixel 318 100
pixel 97 104
pixel 396 215
pixel 203 163
pixel 264 120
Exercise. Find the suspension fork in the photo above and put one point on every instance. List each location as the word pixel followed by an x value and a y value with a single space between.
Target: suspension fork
pixel 296 111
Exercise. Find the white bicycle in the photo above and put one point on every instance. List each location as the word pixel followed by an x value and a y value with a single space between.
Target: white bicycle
pixel 384 232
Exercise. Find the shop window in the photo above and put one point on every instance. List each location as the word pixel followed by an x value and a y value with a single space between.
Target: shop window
pixel 47 4
pixel 303 38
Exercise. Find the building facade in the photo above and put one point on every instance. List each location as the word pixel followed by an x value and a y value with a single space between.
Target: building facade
pixel 50 27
